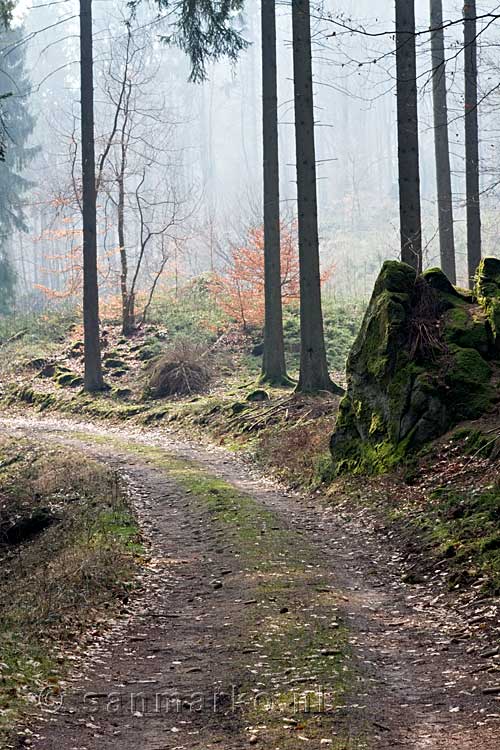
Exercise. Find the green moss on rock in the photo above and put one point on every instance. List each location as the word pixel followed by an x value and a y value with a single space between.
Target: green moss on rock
pixel 150 349
pixel 122 393
pixel 468 378
pixel 418 366
pixel 237 407
pixel 439 281
pixel 118 373
pixel 488 294
pixel 29 395
pixel 395 277
pixel 466 327
pixel 114 363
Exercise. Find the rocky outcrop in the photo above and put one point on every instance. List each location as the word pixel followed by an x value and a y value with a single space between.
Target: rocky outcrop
pixel 423 361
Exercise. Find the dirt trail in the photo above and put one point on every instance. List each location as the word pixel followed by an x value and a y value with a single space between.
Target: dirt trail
pixel 179 670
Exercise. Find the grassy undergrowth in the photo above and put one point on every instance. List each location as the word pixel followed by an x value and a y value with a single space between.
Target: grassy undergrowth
pixel 68 553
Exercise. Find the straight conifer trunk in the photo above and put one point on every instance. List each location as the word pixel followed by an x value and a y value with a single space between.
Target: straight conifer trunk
pixel 273 361
pixel 441 143
pixel 471 141
pixel 314 374
pixel 408 155
pixel 93 380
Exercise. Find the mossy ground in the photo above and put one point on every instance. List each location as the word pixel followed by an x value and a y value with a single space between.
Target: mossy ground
pixel 54 585
pixel 443 506
pixel 464 526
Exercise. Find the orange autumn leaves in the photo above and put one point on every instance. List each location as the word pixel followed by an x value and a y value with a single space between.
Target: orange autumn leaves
pixel 239 289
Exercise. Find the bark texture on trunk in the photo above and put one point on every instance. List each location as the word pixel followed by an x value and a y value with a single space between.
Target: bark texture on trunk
pixel 441 143
pixel 123 253
pixel 273 360
pixel 93 380
pixel 471 141
pixel 314 374
pixel 408 156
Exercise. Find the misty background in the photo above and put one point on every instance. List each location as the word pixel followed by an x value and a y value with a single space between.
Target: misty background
pixel 198 147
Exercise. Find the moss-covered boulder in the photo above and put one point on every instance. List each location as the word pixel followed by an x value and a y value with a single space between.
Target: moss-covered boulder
pixel 76 349
pixel 467 327
pixel 488 295
pixel 422 362
pixel 149 349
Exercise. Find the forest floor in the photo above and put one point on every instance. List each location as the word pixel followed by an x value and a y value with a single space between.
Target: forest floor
pixel 255 604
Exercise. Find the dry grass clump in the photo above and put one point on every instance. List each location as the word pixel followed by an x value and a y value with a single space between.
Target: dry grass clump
pixel 424 335
pixel 184 369
pixel 83 559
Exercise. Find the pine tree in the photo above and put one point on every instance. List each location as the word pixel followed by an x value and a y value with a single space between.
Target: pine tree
pixel 93 379
pixel 17 124
pixel 273 361
pixel 472 187
pixel 205 30
pixel 314 375
pixel 408 159
pixel 441 142
pixel 6 8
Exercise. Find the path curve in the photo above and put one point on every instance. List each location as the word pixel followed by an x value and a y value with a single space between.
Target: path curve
pixel 417 680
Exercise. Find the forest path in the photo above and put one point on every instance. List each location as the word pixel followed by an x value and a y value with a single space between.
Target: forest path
pixel 252 598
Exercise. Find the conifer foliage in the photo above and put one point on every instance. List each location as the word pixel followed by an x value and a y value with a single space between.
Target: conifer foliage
pixel 17 126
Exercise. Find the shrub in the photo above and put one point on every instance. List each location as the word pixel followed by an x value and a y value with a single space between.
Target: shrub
pixel 182 370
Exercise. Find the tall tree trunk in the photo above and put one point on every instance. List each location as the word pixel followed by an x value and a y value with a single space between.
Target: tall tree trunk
pixel 128 313
pixel 127 319
pixel 409 176
pixel 93 380
pixel 471 141
pixel 273 361
pixel 314 374
pixel 441 143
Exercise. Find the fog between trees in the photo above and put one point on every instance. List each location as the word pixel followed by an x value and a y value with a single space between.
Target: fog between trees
pixel 200 143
